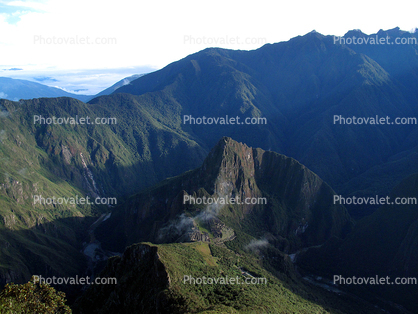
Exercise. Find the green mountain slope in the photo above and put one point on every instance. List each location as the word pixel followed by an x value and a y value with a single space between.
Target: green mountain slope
pixel 151 279
pixel 297 86
pixel 73 161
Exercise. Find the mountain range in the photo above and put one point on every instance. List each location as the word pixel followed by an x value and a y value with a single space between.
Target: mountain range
pixel 16 89
pixel 118 84
pixel 150 157
pixel 299 86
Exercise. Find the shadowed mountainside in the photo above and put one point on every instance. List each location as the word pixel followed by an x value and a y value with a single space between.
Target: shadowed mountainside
pixel 294 206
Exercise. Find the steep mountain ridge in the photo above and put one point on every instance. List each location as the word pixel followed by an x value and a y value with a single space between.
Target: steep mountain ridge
pixel 298 86
pixel 296 209
pixel 395 55
pixel 304 82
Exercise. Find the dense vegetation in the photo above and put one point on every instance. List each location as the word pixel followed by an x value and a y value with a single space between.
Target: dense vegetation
pixel 36 298
pixel 146 160
pixel 151 279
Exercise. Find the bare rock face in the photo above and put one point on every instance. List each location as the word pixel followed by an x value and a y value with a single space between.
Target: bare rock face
pixel 66 154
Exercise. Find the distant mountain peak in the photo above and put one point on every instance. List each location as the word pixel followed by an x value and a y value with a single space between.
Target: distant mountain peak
pixel 394 32
pixel 355 32
pixel 15 89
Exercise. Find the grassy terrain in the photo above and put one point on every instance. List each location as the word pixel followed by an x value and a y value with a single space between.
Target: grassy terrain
pixel 160 276
pixel 203 248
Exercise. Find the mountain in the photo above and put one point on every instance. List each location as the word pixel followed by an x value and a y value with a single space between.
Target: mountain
pixel 148 158
pixel 299 87
pixel 151 280
pixel 397 57
pixel 221 240
pixel 382 244
pixel 115 86
pixel 296 209
pixel 72 161
pixel 14 89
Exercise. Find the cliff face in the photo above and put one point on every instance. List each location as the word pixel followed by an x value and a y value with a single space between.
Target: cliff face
pixel 277 197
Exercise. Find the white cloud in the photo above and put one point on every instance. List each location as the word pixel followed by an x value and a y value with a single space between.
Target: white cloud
pixel 256 245
pixel 27 4
pixel 88 82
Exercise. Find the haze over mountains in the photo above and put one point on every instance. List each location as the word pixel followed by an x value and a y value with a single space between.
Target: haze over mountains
pixel 16 89
pixel 298 160
pixel 118 84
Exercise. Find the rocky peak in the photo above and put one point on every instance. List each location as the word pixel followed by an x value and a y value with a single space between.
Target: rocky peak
pixel 277 195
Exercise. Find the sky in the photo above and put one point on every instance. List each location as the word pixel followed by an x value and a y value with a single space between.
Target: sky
pixel 88 45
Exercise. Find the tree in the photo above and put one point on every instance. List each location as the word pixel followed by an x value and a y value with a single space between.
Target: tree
pixel 32 298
